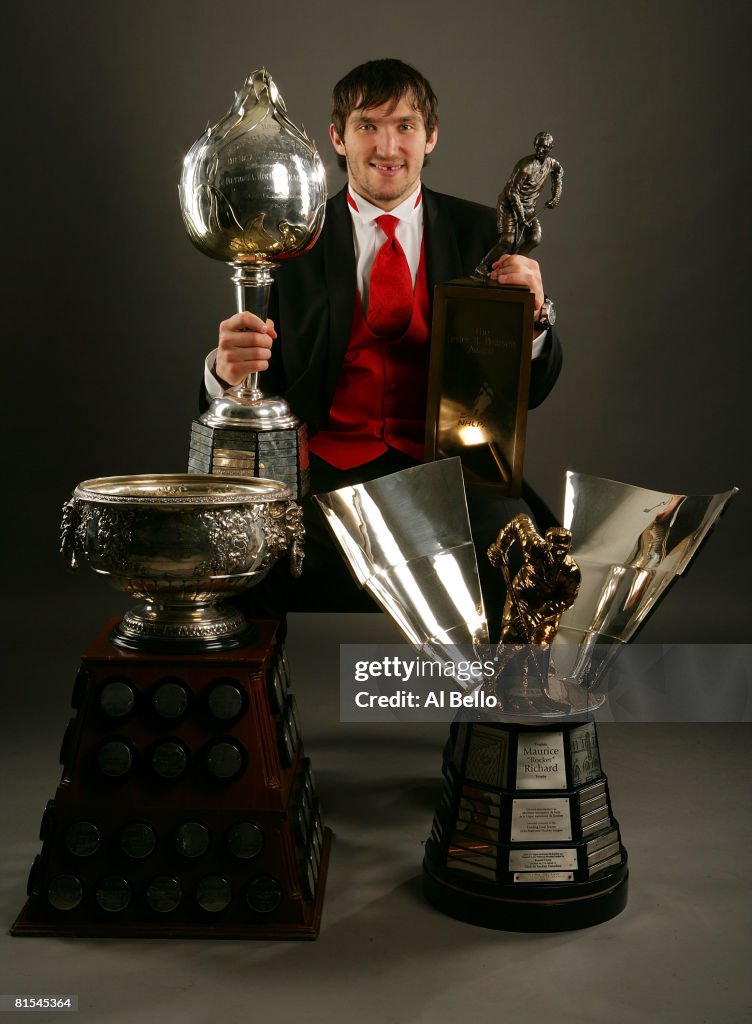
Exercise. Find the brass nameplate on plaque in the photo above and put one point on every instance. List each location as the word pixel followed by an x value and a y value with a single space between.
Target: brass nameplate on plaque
pixel 542 860
pixel 544 876
pixel 540 761
pixel 479 380
pixel 541 820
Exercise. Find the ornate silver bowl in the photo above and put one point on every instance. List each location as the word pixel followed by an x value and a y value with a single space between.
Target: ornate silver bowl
pixel 183 544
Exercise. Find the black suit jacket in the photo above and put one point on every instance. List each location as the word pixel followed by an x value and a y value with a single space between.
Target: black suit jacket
pixel 313 300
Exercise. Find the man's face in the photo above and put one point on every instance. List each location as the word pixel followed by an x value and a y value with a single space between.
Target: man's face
pixel 542 150
pixel 385 148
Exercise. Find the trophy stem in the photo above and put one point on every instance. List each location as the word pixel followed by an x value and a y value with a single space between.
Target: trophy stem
pixel 253 286
pixel 245 432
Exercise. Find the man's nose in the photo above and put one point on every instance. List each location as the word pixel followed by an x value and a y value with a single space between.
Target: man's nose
pixel 389 142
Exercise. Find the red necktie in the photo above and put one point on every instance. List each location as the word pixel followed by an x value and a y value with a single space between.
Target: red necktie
pixel 390 290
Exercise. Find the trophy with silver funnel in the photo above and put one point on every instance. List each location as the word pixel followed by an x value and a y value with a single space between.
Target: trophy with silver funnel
pixel 524 836
pixel 252 192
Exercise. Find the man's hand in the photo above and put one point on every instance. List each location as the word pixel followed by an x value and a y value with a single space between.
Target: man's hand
pixel 245 344
pixel 520 270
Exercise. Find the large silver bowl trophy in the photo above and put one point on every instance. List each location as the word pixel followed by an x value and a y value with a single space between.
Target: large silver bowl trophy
pixel 252 193
pixel 524 837
pixel 183 544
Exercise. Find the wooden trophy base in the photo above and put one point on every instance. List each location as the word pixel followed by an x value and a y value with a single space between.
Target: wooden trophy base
pixel 186 807
pixel 524 838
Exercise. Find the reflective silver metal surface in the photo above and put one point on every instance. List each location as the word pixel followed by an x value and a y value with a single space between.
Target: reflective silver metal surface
pixel 406 538
pixel 252 189
pixel 253 192
pixel 182 543
pixel 630 544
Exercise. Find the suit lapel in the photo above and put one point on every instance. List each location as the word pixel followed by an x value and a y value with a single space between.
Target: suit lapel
pixel 339 257
pixel 443 261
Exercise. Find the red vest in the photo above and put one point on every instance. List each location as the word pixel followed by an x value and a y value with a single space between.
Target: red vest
pixel 380 398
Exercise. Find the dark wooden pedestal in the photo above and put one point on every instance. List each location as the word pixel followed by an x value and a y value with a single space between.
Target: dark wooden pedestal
pixel 186 807
pixel 524 838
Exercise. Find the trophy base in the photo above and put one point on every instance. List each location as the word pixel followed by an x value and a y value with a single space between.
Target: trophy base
pixel 275 452
pixel 34 922
pixel 189 630
pixel 186 808
pixel 524 838
pixel 547 908
pixel 249 409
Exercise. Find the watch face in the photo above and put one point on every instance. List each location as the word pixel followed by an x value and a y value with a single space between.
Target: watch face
pixel 548 312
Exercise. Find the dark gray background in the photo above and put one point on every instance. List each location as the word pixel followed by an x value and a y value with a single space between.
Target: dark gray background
pixel 109 309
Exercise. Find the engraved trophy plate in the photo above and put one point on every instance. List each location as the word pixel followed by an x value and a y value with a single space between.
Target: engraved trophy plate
pixel 545 876
pixel 541 820
pixel 226 701
pixel 113 894
pixel 225 760
pixel 192 839
pixel 479 378
pixel 540 761
pixel 115 759
pixel 117 698
pixel 245 840
pixel 213 894
pixel 169 759
pixel 170 700
pixel 542 860
pixel 138 840
pixel 65 892
pixel 83 838
pixel 263 894
pixel 163 894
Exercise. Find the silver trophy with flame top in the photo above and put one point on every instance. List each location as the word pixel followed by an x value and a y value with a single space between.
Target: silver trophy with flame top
pixel 252 193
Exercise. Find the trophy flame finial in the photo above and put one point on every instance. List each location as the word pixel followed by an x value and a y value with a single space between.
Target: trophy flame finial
pixel 252 189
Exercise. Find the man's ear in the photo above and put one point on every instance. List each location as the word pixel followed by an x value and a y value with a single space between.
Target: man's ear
pixel 432 140
pixel 339 146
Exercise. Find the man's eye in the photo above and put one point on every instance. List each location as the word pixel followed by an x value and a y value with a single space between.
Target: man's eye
pixel 407 127
pixel 365 127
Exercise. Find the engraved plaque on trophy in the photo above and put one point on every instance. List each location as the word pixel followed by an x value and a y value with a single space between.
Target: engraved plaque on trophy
pixel 541 820
pixel 540 761
pixel 479 380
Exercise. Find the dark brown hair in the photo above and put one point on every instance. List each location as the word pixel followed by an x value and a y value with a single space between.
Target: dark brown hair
pixel 383 81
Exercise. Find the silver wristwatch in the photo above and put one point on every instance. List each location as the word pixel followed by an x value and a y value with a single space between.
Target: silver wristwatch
pixel 547 316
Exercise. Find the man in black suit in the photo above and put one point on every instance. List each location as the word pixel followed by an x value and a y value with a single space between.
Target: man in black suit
pixel 363 394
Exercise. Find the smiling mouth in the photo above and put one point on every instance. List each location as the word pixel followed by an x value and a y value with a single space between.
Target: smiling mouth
pixel 387 168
